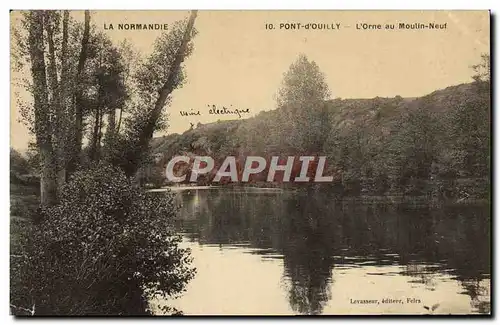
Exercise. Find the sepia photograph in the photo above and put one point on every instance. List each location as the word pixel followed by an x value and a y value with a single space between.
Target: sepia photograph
pixel 250 163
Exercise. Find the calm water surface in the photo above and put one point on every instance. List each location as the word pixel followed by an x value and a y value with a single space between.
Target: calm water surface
pixel 281 253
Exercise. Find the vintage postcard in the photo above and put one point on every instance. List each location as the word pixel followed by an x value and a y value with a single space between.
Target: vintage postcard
pixel 250 163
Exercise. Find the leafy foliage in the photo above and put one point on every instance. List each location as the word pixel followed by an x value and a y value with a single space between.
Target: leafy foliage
pixel 99 248
pixel 101 245
pixel 482 70
pixel 436 145
pixel 18 163
pixel 155 78
pixel 303 84
pixel 302 109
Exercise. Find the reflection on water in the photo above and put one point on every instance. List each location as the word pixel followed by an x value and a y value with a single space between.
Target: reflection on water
pixel 261 252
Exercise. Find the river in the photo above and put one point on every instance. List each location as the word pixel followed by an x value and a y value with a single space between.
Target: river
pixel 266 252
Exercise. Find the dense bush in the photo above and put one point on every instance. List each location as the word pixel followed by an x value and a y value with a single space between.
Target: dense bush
pixel 106 249
pixel 18 164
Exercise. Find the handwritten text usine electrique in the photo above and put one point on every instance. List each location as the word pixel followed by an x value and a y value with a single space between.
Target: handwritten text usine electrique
pixel 214 110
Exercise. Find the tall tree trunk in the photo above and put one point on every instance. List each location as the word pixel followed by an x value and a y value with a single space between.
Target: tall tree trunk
pixel 110 129
pixel 99 136
pixel 52 68
pixel 94 139
pixel 78 105
pixel 65 105
pixel 119 121
pixel 43 131
pixel 55 99
pixel 110 136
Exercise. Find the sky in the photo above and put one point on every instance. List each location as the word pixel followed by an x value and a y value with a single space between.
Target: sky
pixel 237 62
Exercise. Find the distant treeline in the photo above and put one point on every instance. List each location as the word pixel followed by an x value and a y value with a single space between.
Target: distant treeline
pixel 437 145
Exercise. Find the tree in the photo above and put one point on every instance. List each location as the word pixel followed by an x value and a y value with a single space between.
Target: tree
pixel 79 77
pixel 413 148
pixel 78 105
pixel 105 78
pixel 64 103
pixel 471 135
pixel 42 114
pixel 482 70
pixel 156 79
pixel 303 84
pixel 51 116
pixel 128 59
pixel 301 102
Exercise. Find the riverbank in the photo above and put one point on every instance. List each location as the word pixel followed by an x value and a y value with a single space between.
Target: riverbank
pixel 203 187
pixel 414 200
